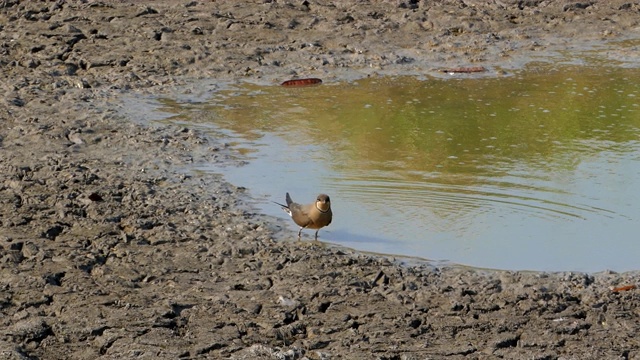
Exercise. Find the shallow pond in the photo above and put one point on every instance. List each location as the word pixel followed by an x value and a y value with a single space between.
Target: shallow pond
pixel 535 171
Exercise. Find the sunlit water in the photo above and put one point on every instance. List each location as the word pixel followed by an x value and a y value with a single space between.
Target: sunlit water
pixel 537 171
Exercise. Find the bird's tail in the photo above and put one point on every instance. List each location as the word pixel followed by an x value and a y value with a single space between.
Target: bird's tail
pixel 282 205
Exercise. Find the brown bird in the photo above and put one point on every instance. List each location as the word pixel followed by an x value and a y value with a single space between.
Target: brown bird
pixel 310 216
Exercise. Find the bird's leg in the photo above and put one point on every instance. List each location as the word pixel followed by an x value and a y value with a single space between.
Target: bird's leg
pixel 317 234
pixel 300 232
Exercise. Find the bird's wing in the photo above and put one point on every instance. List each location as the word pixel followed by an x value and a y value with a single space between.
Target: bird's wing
pixel 300 214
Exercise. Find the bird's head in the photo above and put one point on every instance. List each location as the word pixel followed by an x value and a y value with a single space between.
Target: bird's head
pixel 323 203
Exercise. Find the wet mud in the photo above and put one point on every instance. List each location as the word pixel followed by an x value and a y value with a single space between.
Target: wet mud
pixel 109 250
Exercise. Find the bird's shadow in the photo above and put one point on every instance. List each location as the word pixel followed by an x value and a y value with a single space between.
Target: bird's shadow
pixel 348 240
pixel 345 236
pixel 337 237
pixel 352 242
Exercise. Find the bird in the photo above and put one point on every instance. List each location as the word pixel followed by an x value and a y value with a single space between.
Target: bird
pixel 309 216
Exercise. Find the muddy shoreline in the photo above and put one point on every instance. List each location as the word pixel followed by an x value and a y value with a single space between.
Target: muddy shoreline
pixel 109 249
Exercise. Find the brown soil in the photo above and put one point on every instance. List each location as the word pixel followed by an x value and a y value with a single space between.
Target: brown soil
pixel 107 251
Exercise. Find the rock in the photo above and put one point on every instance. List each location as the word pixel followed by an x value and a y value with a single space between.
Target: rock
pixel 30 250
pixel 31 329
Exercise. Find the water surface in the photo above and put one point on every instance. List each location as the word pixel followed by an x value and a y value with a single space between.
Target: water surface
pixel 536 171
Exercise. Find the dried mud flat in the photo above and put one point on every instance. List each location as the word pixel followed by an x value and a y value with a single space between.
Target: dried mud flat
pixel 108 251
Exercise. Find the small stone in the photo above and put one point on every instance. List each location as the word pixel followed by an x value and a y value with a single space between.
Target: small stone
pixel 30 250
pixel 52 232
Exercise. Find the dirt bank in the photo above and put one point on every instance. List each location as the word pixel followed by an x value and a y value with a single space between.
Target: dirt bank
pixel 107 251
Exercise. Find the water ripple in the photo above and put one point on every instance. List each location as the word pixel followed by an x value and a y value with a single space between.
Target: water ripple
pixel 497 195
